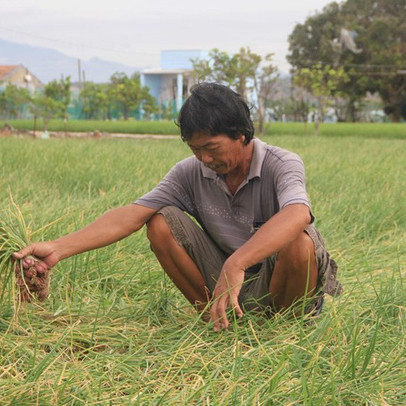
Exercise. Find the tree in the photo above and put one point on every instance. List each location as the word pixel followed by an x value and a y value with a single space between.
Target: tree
pixel 242 72
pixel 216 68
pixel 245 68
pixel 264 85
pixel 323 82
pixel 95 100
pixel 367 38
pixel 127 94
pixel 52 102
pixel 382 35
pixel 12 101
pixel 293 108
pixel 47 108
pixel 236 71
pixel 59 91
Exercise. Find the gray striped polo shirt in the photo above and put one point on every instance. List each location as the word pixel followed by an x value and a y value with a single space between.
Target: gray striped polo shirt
pixel 276 179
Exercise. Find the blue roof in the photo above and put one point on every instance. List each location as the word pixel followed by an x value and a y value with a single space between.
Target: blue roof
pixel 180 59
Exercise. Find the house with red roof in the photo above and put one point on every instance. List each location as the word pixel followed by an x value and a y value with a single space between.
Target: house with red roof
pixel 19 76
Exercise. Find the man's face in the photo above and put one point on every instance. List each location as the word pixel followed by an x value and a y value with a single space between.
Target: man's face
pixel 219 152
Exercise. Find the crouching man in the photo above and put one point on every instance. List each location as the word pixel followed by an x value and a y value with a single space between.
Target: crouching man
pixel 253 244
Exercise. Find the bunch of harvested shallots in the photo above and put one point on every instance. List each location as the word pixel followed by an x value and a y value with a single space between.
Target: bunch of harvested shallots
pixel 14 235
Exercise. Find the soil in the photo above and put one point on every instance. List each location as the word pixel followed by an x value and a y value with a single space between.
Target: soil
pixel 93 135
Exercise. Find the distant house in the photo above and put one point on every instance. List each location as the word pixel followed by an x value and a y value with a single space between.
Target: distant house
pixel 20 76
pixel 170 84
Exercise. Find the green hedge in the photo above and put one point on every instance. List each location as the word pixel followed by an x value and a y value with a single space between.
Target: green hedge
pixel 125 127
pixel 366 130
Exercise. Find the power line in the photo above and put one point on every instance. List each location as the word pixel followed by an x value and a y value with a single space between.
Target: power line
pixel 399 72
pixel 369 65
pixel 354 65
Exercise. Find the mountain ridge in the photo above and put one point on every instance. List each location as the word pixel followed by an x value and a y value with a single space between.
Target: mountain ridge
pixel 49 64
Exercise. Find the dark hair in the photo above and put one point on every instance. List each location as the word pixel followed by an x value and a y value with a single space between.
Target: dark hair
pixel 215 109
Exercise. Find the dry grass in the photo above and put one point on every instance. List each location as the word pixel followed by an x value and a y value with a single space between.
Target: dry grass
pixel 115 331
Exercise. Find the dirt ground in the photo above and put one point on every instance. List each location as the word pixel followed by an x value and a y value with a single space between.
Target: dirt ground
pixel 8 131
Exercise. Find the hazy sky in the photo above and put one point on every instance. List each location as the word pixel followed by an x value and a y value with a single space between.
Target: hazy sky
pixel 134 32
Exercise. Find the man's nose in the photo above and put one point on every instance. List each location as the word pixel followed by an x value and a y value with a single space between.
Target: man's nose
pixel 205 157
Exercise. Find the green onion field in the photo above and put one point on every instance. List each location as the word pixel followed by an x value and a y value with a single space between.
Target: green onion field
pixel 365 130
pixel 115 331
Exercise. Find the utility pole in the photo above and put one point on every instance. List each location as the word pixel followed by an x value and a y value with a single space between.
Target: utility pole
pixel 79 72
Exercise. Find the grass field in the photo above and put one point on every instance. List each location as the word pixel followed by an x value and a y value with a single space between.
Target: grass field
pixel 365 130
pixel 115 331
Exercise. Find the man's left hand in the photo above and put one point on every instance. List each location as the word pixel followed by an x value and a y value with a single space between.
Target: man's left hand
pixel 225 294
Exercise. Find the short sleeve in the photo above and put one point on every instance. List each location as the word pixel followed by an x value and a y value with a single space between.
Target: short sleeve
pixel 171 191
pixel 290 182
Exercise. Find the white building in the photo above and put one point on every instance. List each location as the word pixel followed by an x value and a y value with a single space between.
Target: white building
pixel 170 84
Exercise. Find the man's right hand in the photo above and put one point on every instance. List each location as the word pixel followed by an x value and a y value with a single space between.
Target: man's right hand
pixel 44 252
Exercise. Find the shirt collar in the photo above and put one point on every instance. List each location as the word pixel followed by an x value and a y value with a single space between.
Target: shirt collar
pixel 257 159
pixel 207 172
pixel 256 162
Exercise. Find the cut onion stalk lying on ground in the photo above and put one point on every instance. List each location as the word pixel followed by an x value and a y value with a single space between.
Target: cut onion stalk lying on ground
pixel 14 235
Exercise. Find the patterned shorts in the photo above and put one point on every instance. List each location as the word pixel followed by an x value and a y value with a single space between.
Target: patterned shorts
pixel 209 258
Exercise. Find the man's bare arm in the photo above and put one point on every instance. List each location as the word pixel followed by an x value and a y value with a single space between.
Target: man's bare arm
pixel 283 228
pixel 113 226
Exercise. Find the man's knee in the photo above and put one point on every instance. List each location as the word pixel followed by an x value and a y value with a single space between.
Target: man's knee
pixel 157 229
pixel 295 274
pixel 299 252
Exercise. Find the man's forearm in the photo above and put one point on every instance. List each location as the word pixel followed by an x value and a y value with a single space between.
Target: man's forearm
pixel 280 230
pixel 109 228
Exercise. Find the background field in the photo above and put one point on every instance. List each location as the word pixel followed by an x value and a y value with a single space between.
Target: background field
pixel 365 130
pixel 115 331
